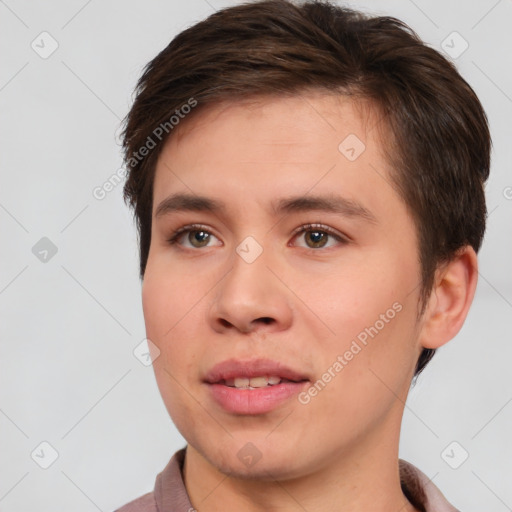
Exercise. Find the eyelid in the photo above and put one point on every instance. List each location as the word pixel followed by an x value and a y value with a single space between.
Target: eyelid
pixel 190 227
pixel 321 227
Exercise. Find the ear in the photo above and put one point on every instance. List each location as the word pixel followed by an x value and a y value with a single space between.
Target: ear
pixel 450 299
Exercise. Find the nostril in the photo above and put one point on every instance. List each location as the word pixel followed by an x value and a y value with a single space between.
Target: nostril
pixel 227 324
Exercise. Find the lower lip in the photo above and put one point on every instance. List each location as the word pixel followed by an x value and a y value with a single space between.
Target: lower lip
pixel 255 401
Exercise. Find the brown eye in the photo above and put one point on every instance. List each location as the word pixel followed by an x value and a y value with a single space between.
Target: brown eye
pixel 193 237
pixel 198 238
pixel 317 238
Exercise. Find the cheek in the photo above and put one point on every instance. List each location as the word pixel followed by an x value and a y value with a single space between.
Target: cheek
pixel 165 313
pixel 349 296
pixel 165 310
pixel 167 296
pixel 156 309
pixel 373 315
pixel 370 380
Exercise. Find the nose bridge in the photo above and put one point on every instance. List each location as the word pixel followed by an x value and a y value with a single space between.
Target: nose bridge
pixel 250 292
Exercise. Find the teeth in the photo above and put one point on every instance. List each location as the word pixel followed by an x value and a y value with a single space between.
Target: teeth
pixel 254 382
pixel 274 380
pixel 241 382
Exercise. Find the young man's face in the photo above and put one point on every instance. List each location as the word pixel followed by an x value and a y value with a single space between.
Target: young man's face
pixel 246 287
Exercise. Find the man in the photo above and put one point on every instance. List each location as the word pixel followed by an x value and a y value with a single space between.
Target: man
pixel 307 183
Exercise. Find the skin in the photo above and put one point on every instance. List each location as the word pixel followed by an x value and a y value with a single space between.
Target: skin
pixel 203 304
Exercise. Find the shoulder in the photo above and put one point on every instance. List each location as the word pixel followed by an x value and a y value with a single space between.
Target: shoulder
pixel 145 503
pixel 421 491
pixel 169 493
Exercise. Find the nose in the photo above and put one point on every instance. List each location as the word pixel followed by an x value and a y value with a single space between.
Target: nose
pixel 250 298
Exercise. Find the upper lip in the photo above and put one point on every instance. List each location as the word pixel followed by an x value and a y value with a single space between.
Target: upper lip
pixel 232 368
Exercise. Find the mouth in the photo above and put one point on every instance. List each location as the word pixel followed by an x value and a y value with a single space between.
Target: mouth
pixel 252 372
pixel 254 382
pixel 253 387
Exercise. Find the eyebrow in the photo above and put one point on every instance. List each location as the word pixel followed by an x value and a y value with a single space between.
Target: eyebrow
pixel 328 203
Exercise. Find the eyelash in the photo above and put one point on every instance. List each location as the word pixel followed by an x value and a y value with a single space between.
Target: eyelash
pixel 173 240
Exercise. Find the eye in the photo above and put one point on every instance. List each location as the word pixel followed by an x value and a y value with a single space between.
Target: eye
pixel 196 235
pixel 317 236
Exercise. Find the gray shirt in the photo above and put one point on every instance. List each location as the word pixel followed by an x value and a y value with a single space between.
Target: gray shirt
pixel 170 494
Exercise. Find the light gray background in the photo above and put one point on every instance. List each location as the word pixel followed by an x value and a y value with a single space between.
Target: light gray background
pixel 69 325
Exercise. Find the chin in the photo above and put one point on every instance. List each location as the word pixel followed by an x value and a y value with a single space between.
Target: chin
pixel 250 463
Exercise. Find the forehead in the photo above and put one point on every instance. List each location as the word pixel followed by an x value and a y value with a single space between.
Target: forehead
pixel 268 147
pixel 320 110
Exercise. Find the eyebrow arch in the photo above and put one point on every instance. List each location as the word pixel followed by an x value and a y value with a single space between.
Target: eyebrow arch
pixel 188 202
pixel 328 203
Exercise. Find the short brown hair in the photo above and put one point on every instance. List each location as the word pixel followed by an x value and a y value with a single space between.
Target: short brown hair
pixel 440 147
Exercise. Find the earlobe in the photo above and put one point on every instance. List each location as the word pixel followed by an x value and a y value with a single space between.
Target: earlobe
pixel 450 299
